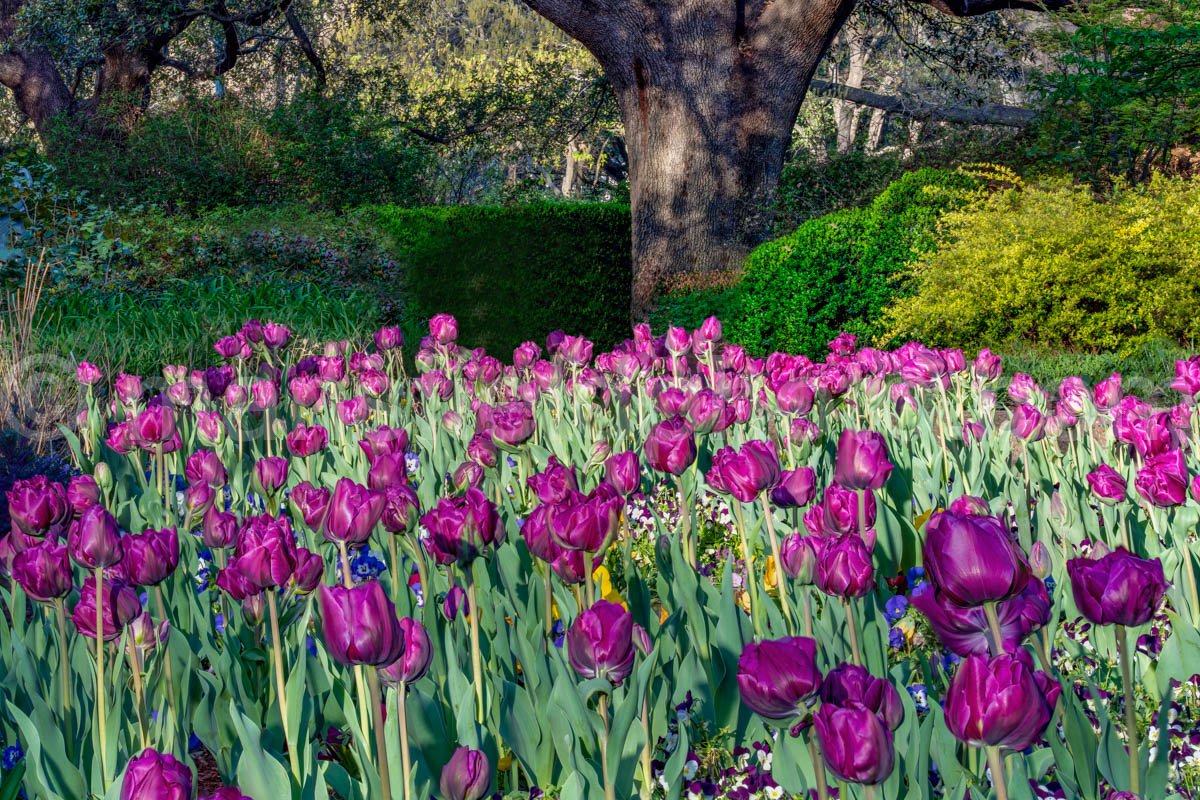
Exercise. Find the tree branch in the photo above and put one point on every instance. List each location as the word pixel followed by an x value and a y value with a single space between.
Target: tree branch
pixel 305 44
pixel 971 8
pixel 1006 116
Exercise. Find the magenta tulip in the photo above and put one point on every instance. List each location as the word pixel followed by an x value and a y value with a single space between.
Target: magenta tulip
pixel 600 642
pixel 862 460
pixel 1118 588
pixel 156 776
pixel 779 679
pixel 360 625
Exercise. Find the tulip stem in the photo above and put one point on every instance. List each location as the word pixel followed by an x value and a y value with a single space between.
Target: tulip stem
pixel 60 614
pixel 280 683
pixel 101 701
pixel 989 611
pixel 589 579
pixel 609 791
pixel 385 779
pixel 852 629
pixel 685 517
pixel 647 779
pixel 1131 731
pixel 405 757
pixel 138 695
pixel 476 661
pixel 751 581
pixel 996 764
pixel 807 598
pixel 1190 579
pixel 166 651
pixel 781 576
pixel 818 767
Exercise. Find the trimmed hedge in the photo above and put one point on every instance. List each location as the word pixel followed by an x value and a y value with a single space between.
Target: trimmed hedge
pixel 510 274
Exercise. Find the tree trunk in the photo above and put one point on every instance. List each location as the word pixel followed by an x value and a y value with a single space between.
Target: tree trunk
pixel 38 89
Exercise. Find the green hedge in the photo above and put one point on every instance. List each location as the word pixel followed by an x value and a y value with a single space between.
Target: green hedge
pixel 511 274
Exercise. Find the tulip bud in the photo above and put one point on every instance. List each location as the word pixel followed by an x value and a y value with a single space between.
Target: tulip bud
pixel 1039 561
pixel 600 642
pixel 467 776
pixel 95 539
pixel 418 653
pixel 798 555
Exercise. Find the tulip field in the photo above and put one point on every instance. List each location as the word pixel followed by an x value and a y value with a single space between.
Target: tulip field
pixel 375 570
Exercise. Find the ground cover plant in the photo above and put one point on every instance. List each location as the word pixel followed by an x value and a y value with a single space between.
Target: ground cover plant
pixel 664 570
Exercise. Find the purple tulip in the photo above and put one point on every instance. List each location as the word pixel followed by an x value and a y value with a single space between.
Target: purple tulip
pixel 1187 377
pixel 360 625
pixel 353 411
pixel 1028 423
pixel 707 411
pixel 671 446
pixel 999 701
pixel 588 522
pixel 862 460
pixel 467 776
pixel 972 559
pixel 128 389
pixel 796 489
pixel 219 529
pixel 443 328
pixel 794 397
pixel 308 572
pixel 156 776
pixel 388 339
pixel 855 743
pixel 38 505
pixel 1163 480
pixel 354 511
pixel 266 551
pixel 414 662
pixel 456 601
pixel 965 631
pixel 400 509
pixel 461 527
pixel 150 557
pixel 154 426
pixel 536 533
pixel 844 567
pixel 384 441
pixel 1107 392
pixel 852 686
pixel 120 607
pixel 1118 588
pixel 226 793
pixel 305 440
pixel 600 642
pixel 1107 484
pixel 512 424
pixel 987 366
pixel 841 510
pixel 778 678
pixel 623 472
pixel 82 493
pixel 94 539
pixel 270 475
pixel 799 555
pixel 747 473
pixel 555 484
pixel 88 374
pixel 43 571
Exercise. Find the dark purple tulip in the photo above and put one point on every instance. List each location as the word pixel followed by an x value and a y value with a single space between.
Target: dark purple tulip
pixel 309 570
pixel 156 776
pixel 512 424
pixel 671 446
pixel 306 440
pixel 852 686
pixel 1107 484
pixel 266 551
pixel 482 451
pixel 82 493
pixel 360 625
pixel 120 607
pixel 456 601
pixel 237 586
pixel 796 489
pixel 467 475
pixel 198 499
pixel 412 665
pixel 779 678
pixel 219 529
pixel 844 567
pixel 862 460
pixel 1163 481
pixel 270 475
pixel 964 631
pixel 799 555
pixel 555 484
pixel 95 539
pixel 600 642
pixel 460 527
pixel 586 522
pixel 999 701
pixel 536 533
pixel 467 776
pixel 747 473
pixel 43 571
pixel 38 504
pixel 855 743
pixel 150 557
pixel 623 472
pixel 1118 588
pixel 973 560
pixel 841 512
pixel 354 511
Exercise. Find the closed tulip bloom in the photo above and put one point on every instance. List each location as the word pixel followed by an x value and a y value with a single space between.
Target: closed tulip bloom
pixel 623 472
pixel 360 625
pixel 154 426
pixel 383 441
pixel 94 539
pixel 270 475
pixel 588 522
pixel 844 568
pixel 1107 393
pixel 305 390
pixel 82 493
pixel 400 508
pixel 1187 377
pixel 746 473
pixel 671 446
pixel 778 678
pixel 235 583
pixel 799 555
pixel 987 366
pixel 852 686
pixel 972 559
pixel 120 438
pixel 461 527
pixel 88 374
pixel 37 505
pixel 308 572
pixel 120 607
pixel 43 571
pixel 467 475
pixel 482 451
pixel 353 411
pixel 856 745
pixel 266 551
pixel 150 557
pixel 306 440
pixel 999 701
pixel 210 428
pixel 707 412
pixel 219 529
pixel 1107 484
pixel 555 484
pixel 310 504
pixel 443 328
pixel 512 423
pixel 600 642
pixel 536 533
pixel 467 776
pixel 128 389
pixel 1163 481
pixel 456 601
pixel 198 499
pixel 1118 588
pixel 796 489
pixel 841 510
pixel 794 397
pixel 862 460
pixel 265 394
pixel 204 466
pixel 965 631
pixel 156 776
pixel 388 338
pixel 1028 423
pixel 414 662
pixel 354 511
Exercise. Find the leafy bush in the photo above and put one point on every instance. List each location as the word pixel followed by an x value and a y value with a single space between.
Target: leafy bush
pixel 1056 268
pixel 512 273
pixel 812 188
pixel 833 273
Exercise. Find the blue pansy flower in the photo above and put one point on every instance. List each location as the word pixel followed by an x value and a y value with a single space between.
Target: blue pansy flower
pixel 895 608
pixel 12 756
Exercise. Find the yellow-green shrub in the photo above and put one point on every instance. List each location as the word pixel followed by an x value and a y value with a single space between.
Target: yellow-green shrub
pixel 1056 267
